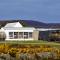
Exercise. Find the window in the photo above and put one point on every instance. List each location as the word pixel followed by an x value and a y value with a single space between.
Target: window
pixel 30 34
pixel 10 35
pixel 25 34
pixel 15 34
pixel 20 35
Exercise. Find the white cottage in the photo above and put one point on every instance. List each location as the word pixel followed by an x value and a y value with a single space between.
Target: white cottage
pixel 16 31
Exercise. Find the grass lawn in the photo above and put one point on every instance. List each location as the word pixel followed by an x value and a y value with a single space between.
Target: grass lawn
pixel 40 42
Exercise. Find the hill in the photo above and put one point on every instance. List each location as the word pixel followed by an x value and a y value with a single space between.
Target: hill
pixel 31 23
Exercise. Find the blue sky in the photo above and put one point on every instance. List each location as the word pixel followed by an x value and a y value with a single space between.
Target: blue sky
pixel 40 10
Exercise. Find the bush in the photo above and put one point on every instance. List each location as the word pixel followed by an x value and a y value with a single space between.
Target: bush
pixel 13 52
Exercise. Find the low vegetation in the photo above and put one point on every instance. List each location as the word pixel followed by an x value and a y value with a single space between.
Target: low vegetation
pixel 29 50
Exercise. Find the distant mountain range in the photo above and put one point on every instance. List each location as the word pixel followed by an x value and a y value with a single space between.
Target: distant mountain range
pixel 31 23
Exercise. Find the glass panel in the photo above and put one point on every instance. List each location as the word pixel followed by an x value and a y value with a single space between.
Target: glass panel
pixel 20 34
pixel 10 35
pixel 15 34
pixel 30 34
pixel 25 34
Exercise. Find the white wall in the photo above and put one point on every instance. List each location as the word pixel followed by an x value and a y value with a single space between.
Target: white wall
pixel 7 34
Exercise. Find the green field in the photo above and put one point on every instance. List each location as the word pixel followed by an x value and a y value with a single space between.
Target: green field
pixel 40 42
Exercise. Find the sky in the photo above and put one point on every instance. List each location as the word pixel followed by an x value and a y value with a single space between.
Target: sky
pixel 40 10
